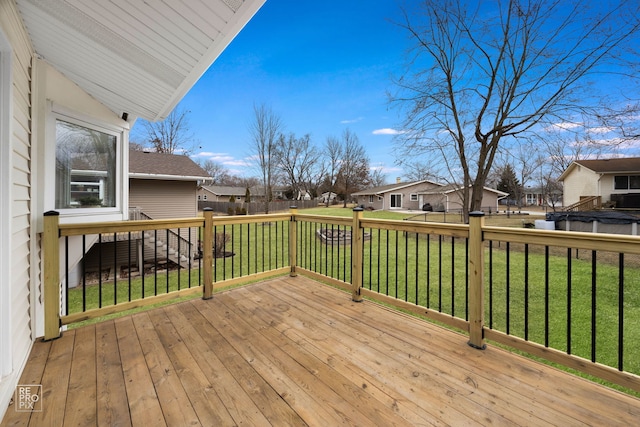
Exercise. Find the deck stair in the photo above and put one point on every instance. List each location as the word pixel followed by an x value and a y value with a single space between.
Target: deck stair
pixel 164 244
pixel 588 203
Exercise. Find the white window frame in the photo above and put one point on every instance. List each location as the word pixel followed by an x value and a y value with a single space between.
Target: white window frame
pixel 391 198
pixel 413 197
pixel 628 188
pixel 83 215
pixel 371 199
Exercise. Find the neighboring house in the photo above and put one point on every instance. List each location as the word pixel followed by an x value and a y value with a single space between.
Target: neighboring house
pixel 74 77
pixel 164 185
pixel 222 193
pixel 401 195
pixel 538 196
pixel 615 181
pixel 414 195
pixel 330 196
pixel 278 192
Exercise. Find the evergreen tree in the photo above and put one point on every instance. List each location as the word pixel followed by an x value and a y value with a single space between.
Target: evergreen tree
pixel 509 183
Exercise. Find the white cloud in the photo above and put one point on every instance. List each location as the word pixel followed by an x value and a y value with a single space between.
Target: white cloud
pixel 564 126
pixel 602 129
pixel 387 131
pixel 348 121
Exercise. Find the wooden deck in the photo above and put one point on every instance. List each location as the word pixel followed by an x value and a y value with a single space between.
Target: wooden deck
pixel 291 351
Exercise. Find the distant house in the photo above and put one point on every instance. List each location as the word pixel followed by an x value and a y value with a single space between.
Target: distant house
pixel 222 193
pixel 615 181
pixel 164 185
pixel 414 195
pixel 328 196
pixel 538 196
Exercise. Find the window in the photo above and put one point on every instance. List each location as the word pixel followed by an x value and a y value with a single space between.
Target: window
pixel 626 182
pixel 370 199
pixel 413 197
pixel 86 164
pixel 396 200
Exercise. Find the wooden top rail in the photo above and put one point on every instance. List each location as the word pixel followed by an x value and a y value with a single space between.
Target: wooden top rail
pixel 566 239
pixel 249 219
pixel 454 230
pixel 124 226
pixel 327 219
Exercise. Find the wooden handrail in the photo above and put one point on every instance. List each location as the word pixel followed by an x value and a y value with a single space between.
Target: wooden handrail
pixel 585 204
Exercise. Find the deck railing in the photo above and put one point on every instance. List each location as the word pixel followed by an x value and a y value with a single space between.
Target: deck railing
pixel 572 298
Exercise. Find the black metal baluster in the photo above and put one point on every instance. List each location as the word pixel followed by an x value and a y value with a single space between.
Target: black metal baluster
pixel 491 284
pixel 440 272
pixel 593 305
pixel 417 258
pixel 84 271
pixel 115 268
pixel 100 270
pixel 508 288
pixel 66 273
pixel 546 296
pixel 428 270
pixel 453 280
pixel 526 292
pixel 129 265
pixel 568 300
pixel 378 277
pixel 620 311
pixel 167 255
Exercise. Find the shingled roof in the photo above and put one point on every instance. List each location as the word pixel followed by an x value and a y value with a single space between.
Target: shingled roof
pixel 624 164
pixel 151 165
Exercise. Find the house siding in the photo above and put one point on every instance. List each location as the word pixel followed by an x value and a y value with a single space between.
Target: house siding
pixel 580 182
pixel 164 199
pixel 20 277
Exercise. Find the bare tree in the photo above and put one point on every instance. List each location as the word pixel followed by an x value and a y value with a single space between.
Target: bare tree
pixel 416 170
pixel 377 177
pixel 298 159
pixel 172 135
pixel 354 165
pixel 264 129
pixel 333 153
pixel 217 172
pixel 479 79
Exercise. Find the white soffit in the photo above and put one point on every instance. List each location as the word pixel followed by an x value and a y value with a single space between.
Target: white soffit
pixel 135 56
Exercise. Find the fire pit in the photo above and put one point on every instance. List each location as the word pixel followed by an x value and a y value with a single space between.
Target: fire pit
pixel 336 236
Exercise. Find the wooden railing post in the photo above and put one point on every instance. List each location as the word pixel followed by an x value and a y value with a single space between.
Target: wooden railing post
pixel 51 267
pixel 293 238
pixel 476 280
pixel 356 255
pixel 207 254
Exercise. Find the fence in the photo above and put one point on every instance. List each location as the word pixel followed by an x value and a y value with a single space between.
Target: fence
pixel 568 297
pixel 253 208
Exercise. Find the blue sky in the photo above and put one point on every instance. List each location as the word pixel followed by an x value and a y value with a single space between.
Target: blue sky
pixel 321 66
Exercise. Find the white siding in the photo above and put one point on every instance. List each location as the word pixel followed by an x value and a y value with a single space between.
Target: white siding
pixel 17 197
pixel 580 182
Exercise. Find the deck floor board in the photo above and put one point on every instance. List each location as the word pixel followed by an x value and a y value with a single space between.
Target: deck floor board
pixel 291 351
